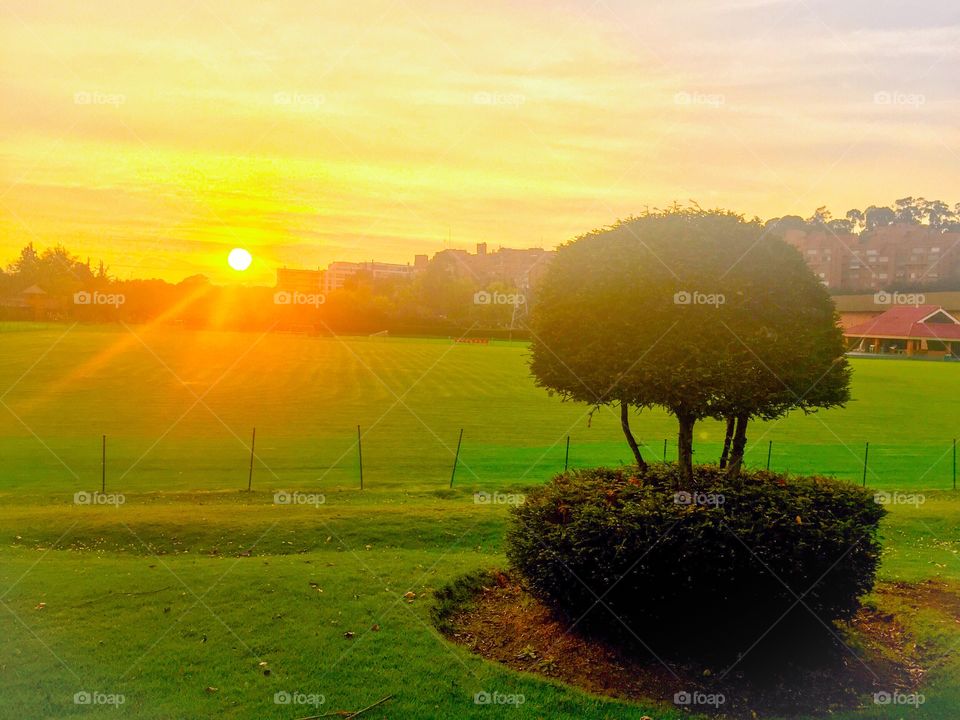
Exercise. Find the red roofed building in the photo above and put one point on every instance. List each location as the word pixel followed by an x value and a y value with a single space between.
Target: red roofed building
pixel 921 330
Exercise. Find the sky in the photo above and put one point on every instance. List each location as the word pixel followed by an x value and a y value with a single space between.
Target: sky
pixel 159 135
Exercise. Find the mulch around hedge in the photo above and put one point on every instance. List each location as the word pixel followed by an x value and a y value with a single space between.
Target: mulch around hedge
pixel 505 624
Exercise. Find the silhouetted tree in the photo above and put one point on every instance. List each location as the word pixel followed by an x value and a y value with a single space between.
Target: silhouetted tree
pixel 699 312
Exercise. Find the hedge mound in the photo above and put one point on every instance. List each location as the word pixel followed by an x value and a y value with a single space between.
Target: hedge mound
pixel 766 558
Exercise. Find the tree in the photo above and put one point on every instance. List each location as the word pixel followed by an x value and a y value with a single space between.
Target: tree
pixel 875 217
pixel 791 353
pixel 26 268
pixel 840 226
pixel 938 214
pixel 821 218
pixel 444 289
pixel 627 316
pixel 788 222
pixel 855 217
pixel 61 272
pixel 681 309
pixel 909 211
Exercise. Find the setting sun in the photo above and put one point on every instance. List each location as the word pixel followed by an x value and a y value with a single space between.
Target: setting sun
pixel 239 259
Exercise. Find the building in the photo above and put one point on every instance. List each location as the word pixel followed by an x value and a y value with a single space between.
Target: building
pixel 520 268
pixel 856 309
pixel 33 303
pixel 889 256
pixel 305 281
pixel 919 331
pixel 337 273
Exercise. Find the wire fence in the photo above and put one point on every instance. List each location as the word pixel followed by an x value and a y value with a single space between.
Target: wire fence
pixel 462 460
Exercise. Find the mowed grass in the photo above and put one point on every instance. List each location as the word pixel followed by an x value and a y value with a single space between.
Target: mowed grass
pixel 178 408
pixel 192 582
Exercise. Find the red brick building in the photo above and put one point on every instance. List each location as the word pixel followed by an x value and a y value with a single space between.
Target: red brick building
pixel 894 255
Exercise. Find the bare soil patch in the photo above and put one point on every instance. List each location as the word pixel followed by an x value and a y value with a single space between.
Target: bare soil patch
pixel 502 622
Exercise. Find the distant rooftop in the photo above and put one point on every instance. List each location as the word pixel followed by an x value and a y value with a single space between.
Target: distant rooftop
pixel 909 322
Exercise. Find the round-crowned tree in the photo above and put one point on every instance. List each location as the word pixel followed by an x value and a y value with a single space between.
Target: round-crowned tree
pixel 700 312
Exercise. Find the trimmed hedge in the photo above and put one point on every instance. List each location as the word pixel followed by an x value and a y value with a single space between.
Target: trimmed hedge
pixel 709 572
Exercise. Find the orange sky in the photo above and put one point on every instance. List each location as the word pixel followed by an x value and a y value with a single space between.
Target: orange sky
pixel 160 135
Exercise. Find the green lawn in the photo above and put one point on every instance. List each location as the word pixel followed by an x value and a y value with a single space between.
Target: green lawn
pixel 191 582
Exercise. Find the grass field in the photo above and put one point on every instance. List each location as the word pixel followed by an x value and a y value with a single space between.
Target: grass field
pixel 191 583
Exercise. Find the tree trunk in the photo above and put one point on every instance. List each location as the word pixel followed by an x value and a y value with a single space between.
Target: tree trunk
pixel 739 445
pixel 631 441
pixel 685 448
pixel 727 439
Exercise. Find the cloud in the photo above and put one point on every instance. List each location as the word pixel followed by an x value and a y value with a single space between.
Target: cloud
pixel 308 131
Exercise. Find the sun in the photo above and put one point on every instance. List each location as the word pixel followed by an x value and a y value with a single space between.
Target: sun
pixel 239 259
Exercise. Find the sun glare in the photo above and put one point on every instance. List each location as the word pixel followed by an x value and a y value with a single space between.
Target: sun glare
pixel 239 259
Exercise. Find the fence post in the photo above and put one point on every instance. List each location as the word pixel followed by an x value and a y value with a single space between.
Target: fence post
pixel 103 466
pixel 954 463
pixel 253 442
pixel 664 449
pixel 866 455
pixel 769 453
pixel 456 458
pixel 566 458
pixel 360 454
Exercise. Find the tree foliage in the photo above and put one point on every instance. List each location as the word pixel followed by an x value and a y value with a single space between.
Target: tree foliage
pixel 698 312
pixel 935 214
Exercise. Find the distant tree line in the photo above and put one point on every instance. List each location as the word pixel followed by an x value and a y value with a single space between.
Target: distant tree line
pixel 440 300
pixel 935 214
pixel 55 284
